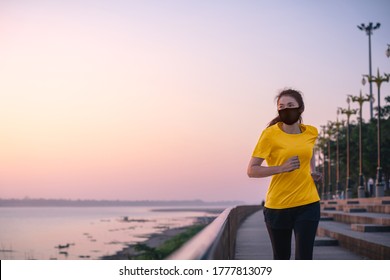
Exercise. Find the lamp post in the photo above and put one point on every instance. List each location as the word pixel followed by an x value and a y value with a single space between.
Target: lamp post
pixel 360 99
pixel 348 112
pixel 329 131
pixel 322 144
pixel 337 126
pixel 378 79
pixel 368 29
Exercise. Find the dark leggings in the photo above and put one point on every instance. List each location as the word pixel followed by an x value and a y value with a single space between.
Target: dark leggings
pixel 303 220
pixel 304 232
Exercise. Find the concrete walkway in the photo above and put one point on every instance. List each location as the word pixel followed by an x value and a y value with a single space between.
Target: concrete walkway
pixel 253 243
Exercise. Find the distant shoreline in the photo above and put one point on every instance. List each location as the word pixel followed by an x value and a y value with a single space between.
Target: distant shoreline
pixel 206 210
pixel 111 203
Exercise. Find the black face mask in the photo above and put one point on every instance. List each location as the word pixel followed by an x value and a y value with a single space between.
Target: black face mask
pixel 289 115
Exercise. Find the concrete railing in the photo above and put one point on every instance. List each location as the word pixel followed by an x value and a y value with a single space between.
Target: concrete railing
pixel 217 240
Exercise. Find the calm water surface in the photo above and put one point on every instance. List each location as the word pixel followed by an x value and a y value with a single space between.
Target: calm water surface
pixel 82 232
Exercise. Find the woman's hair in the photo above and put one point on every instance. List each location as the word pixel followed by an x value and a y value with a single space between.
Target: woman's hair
pixel 294 94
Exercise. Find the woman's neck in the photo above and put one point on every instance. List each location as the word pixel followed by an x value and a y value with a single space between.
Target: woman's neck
pixel 291 129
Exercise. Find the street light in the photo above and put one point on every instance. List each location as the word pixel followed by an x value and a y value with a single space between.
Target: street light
pixel 388 50
pixel 360 99
pixel 322 144
pixel 378 79
pixel 348 112
pixel 330 132
pixel 337 125
pixel 368 29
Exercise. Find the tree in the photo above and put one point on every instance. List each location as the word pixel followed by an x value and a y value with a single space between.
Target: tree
pixel 369 150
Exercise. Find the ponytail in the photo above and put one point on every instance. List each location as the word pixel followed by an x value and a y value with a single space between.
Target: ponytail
pixel 274 121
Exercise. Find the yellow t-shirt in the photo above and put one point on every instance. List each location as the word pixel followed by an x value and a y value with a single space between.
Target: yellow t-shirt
pixel 295 188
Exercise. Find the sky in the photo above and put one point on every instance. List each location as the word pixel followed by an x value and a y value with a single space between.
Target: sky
pixel 160 100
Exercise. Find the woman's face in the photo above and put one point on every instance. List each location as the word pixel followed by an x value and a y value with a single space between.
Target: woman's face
pixel 287 102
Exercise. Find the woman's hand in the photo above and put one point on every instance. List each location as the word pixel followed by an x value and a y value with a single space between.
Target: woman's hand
pixel 291 164
pixel 317 176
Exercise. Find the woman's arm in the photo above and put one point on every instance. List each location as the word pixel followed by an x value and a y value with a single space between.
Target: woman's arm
pixel 256 170
pixel 317 176
pixel 313 163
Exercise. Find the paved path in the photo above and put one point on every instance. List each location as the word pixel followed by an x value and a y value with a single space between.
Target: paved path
pixel 253 243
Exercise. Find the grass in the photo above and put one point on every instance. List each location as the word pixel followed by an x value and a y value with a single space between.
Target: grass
pixel 168 247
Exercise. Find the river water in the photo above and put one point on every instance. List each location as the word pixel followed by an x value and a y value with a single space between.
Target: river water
pixel 83 232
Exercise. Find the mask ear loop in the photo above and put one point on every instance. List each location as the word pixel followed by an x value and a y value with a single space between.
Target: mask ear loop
pixel 300 117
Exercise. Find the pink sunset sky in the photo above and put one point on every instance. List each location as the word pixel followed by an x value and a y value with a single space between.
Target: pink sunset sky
pixel 139 100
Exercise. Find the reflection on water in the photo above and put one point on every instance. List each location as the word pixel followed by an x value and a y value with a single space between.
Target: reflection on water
pixel 81 232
